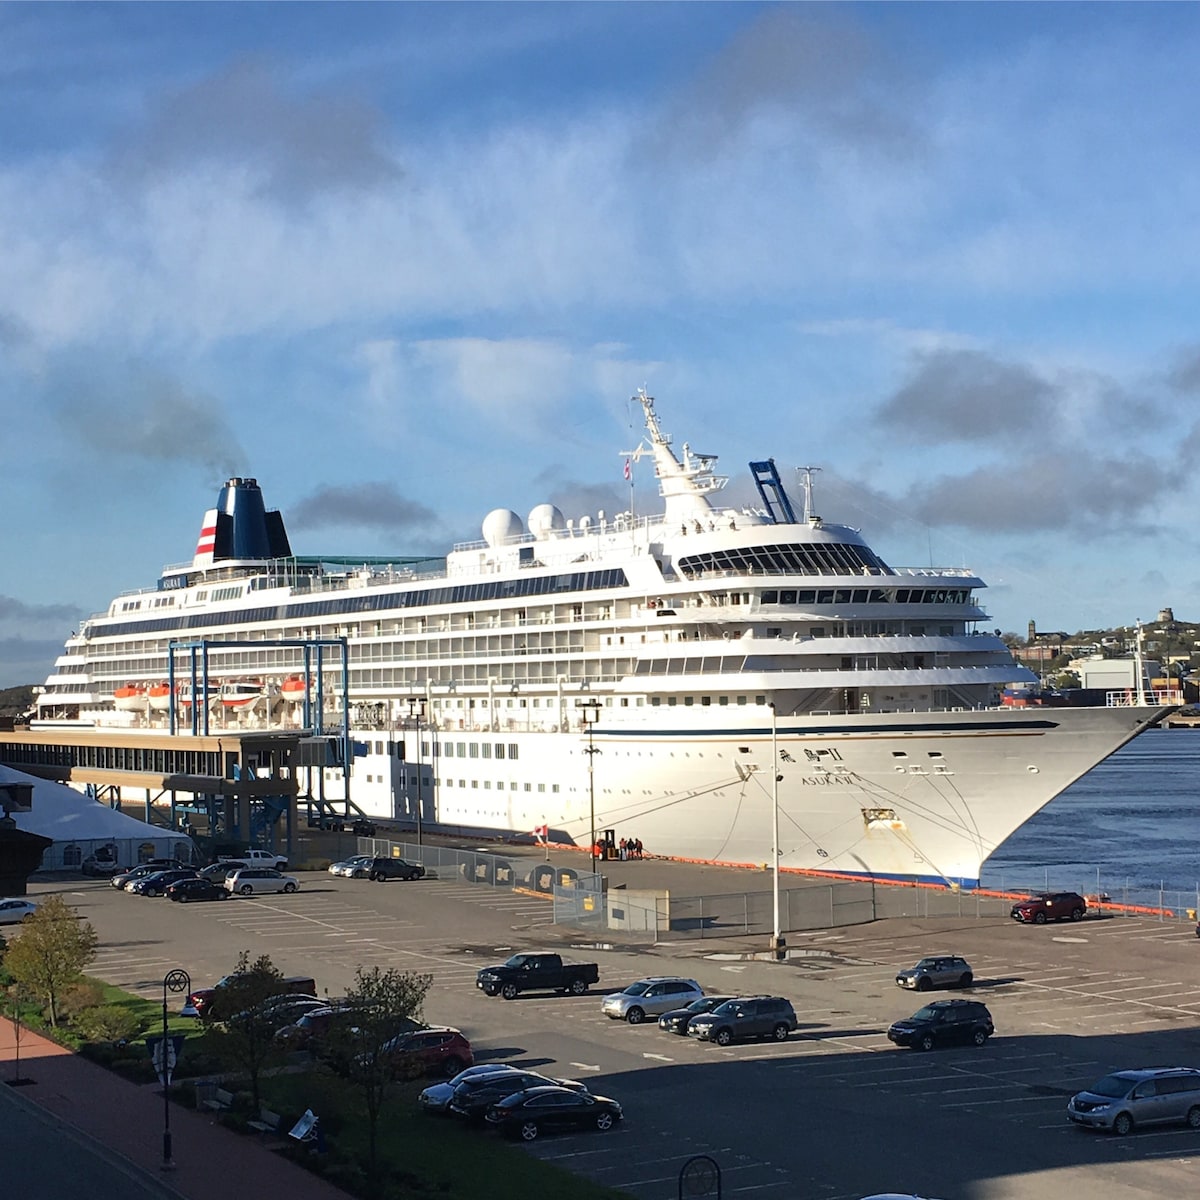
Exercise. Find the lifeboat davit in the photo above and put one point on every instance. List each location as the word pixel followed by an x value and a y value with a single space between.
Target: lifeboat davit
pixel 293 689
pixel 131 697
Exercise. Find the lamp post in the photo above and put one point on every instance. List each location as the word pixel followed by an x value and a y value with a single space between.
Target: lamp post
pixel 416 711
pixel 777 940
pixel 589 710
pixel 174 981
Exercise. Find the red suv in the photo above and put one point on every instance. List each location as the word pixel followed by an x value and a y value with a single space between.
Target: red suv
pixel 437 1051
pixel 1050 906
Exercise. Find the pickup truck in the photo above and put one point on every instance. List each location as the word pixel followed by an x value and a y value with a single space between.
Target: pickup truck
pixel 536 972
pixel 256 858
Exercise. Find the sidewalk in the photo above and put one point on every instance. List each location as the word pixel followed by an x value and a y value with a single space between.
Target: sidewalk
pixel 122 1123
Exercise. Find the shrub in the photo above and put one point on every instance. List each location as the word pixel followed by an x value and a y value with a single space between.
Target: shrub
pixel 107 1023
pixel 87 993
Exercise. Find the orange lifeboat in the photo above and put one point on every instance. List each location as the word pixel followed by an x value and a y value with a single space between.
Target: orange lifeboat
pixel 159 695
pixel 131 697
pixel 293 689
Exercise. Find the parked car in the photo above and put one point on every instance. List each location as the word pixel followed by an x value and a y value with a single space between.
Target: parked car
pixel 143 869
pixel 536 972
pixel 1147 1096
pixel 473 1097
pixel 650 997
pixel 435 1099
pixel 251 880
pixel 676 1021
pixel 1049 906
pixel 355 867
pixel 394 868
pixel 196 888
pixel 255 858
pixel 279 1011
pixel 940 970
pixel 310 1029
pixel 157 883
pixel 944 1023
pixel 207 1002
pixel 438 1050
pixel 217 872
pixel 526 1115
pixel 14 909
pixel 745 1017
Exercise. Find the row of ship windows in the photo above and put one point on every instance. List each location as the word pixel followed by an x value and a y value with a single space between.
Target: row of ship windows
pixel 436 781
pixel 868 596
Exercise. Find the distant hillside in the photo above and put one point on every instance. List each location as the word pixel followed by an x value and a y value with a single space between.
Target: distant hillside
pixel 15 700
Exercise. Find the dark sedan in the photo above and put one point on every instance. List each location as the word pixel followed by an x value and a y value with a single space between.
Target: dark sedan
pixel 157 883
pixel 676 1021
pixel 473 1097
pixel 527 1115
pixel 197 888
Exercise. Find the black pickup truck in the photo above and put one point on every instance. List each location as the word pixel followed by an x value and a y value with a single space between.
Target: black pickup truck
pixel 536 972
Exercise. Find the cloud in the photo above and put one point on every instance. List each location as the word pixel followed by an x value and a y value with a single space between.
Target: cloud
pixel 1048 492
pixel 576 498
pixel 27 660
pixel 969 396
pixel 1184 376
pixel 12 609
pixel 297 144
pixel 365 505
pixel 131 409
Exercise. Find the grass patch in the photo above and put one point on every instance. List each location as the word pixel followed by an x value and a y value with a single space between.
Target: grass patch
pixel 419 1155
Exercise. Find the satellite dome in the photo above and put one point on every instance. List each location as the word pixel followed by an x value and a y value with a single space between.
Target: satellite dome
pixel 500 525
pixel 544 519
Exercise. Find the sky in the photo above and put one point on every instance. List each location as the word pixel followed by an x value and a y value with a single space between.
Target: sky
pixel 407 263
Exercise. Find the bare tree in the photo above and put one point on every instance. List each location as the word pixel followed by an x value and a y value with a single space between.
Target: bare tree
pixel 386 1005
pixel 243 1007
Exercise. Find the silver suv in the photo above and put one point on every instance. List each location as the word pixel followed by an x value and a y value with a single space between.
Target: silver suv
pixel 939 970
pixel 650 997
pixel 1149 1096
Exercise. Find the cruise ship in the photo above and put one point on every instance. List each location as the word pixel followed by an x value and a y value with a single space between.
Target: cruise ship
pixel 723 684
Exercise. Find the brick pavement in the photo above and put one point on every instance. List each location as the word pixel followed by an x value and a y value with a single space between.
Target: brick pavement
pixel 125 1120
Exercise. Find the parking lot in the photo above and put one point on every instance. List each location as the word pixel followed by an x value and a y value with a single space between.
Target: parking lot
pixel 833 1113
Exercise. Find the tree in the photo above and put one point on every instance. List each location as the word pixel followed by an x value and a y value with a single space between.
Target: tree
pixel 242 1005
pixel 51 953
pixel 387 1004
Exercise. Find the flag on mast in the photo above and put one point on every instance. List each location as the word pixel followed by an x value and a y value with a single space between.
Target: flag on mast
pixel 628 469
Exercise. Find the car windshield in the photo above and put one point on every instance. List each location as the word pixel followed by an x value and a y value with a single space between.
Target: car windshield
pixel 701 1005
pixel 636 989
pixel 928 1013
pixel 724 1010
pixel 926 964
pixel 1113 1086
pixel 517 960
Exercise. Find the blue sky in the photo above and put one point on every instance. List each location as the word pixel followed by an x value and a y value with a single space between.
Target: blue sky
pixel 406 263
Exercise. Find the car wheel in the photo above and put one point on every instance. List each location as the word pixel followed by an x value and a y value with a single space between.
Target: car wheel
pixel 604 1121
pixel 1077 914
pixel 510 992
pixel 491 990
pixel 923 984
pixel 780 1032
pixel 979 1037
pixel 529 1131
pixel 1122 1124
pixel 222 895
pixel 724 1037
pixel 180 899
pixel 360 874
pixel 289 888
pixel 1193 1117
pixel 451 1067
pixel 635 1016
pixel 578 987
pixel 966 980
pixel 1039 918
pixel 925 1043
pixel 246 889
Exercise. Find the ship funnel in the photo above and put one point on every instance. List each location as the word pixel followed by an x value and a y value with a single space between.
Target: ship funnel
pixel 240 527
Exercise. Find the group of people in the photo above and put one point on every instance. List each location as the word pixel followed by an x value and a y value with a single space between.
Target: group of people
pixel 630 848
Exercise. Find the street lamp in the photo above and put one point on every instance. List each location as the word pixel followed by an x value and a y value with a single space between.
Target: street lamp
pixel 416 712
pixel 174 981
pixel 777 941
pixel 589 710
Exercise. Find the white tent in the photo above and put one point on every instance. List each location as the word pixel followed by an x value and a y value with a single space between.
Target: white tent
pixel 84 829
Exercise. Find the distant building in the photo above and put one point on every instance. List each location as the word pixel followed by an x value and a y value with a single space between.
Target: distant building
pixel 1166 616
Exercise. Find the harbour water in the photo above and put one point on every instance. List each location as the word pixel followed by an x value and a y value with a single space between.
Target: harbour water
pixel 1129 828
